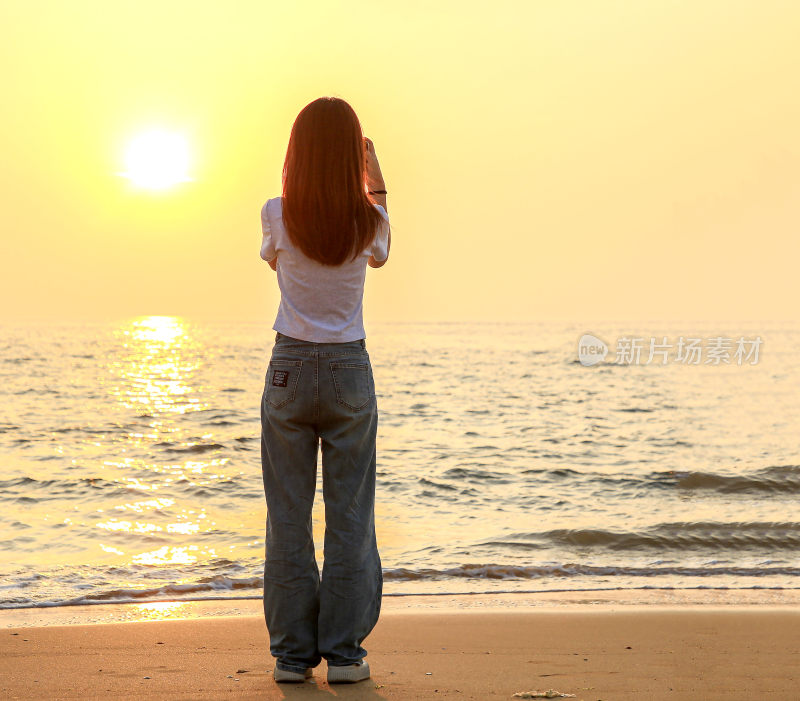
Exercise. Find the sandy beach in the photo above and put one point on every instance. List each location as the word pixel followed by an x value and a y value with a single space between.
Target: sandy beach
pixel 611 654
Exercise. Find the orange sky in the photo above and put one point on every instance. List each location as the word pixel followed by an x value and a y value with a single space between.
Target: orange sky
pixel 562 160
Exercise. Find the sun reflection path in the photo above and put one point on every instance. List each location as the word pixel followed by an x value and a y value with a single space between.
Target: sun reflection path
pixel 161 610
pixel 164 329
pixel 157 362
pixel 155 372
pixel 175 555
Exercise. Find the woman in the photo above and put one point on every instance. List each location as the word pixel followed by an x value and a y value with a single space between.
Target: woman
pixel 319 390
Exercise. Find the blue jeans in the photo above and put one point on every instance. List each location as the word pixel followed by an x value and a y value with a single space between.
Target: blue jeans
pixel 320 393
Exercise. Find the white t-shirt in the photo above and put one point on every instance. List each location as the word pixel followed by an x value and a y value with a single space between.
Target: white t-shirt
pixel 319 303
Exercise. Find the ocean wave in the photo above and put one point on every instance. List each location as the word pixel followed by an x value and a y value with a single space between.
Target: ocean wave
pixel 776 478
pixel 681 535
pixel 467 473
pixel 129 595
pixel 771 479
pixel 192 448
pixel 221 587
pixel 438 485
pixel 497 571
pixel 54 488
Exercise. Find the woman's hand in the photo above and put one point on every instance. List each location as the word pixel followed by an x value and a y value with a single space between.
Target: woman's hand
pixel 374 175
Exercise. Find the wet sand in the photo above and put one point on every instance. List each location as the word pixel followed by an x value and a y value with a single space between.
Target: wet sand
pixel 629 653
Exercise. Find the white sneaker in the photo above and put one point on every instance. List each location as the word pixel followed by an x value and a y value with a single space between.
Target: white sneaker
pixel 348 673
pixel 286 675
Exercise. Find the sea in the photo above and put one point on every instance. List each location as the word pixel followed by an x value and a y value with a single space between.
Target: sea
pixel 510 462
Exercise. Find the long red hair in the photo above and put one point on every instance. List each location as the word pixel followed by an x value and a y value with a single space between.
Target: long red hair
pixel 326 210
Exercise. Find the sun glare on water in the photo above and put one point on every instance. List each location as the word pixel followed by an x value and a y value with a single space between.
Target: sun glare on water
pixel 157 159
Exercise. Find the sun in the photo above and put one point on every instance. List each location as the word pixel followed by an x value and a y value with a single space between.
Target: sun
pixel 157 159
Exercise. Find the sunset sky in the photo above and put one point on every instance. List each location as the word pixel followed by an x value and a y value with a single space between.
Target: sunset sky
pixel 544 160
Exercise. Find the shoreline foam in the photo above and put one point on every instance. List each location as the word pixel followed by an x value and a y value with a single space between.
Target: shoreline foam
pixel 562 600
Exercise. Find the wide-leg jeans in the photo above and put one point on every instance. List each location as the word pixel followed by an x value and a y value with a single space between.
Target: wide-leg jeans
pixel 320 394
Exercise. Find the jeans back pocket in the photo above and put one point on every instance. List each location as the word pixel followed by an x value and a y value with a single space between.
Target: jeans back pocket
pixel 282 378
pixel 352 383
